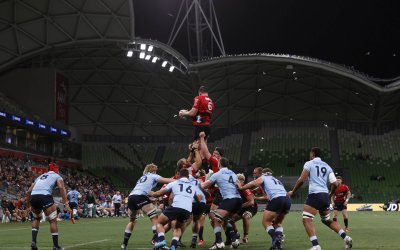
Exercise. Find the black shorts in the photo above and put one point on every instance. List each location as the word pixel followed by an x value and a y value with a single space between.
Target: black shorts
pixel 339 206
pixel 252 210
pixel 136 202
pixel 175 213
pixel 279 205
pixel 198 129
pixel 207 209
pixel 198 208
pixel 73 205
pixel 217 197
pixel 41 202
pixel 231 205
pixel 319 201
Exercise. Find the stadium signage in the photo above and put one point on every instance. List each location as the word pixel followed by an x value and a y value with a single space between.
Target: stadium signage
pixel 34 124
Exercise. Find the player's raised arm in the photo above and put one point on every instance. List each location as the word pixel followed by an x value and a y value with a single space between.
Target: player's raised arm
pixel 163 180
pixel 203 146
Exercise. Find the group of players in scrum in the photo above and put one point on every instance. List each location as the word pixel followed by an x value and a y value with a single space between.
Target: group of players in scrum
pixel 230 200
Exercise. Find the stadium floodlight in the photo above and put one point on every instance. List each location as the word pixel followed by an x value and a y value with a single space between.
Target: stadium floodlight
pixel 142 55
pixel 154 60
pixel 150 49
pixel 130 53
pixel 164 64
pixel 147 57
pixel 171 68
pixel 143 46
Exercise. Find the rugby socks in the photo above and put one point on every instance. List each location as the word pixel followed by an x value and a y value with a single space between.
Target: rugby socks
pixel 201 233
pixel 174 241
pixel 342 233
pixel 231 231
pixel 314 240
pixel 35 232
pixel 161 237
pixel 194 237
pixel 127 235
pixel 218 236
pixel 271 231
pixel 55 239
pixel 346 222
pixel 154 229
pixel 279 232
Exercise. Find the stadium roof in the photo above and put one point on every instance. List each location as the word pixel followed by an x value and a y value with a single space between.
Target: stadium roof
pixel 112 94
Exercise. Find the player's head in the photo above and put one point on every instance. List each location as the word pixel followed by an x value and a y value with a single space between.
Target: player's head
pixel 257 172
pixel 182 163
pixel 184 173
pixel 218 153
pixel 267 171
pixel 339 179
pixel 315 152
pixel 73 187
pixel 53 167
pixel 241 178
pixel 203 90
pixel 150 168
pixel 223 162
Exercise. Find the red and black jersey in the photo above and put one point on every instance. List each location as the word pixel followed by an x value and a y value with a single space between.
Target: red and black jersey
pixel 205 108
pixel 341 193
pixel 246 195
pixel 214 164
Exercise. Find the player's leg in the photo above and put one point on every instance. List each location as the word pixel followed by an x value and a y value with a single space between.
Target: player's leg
pixel 267 220
pixel 129 227
pixel 334 225
pixel 335 214
pixel 51 213
pixel 218 219
pixel 37 216
pixel 308 216
pixel 246 217
pixel 195 229
pixel 201 230
pixel 162 220
pixel 345 219
pixel 151 211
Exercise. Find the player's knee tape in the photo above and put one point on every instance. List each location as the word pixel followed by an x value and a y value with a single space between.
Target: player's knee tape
pixel 326 218
pixel 133 217
pixel 37 216
pixel 247 214
pixel 217 216
pixel 152 213
pixel 53 215
pixel 307 215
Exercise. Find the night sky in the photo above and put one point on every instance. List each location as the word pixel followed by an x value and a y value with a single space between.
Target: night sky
pixel 364 34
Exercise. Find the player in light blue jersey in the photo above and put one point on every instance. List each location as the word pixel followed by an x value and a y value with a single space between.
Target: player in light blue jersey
pixel 138 199
pixel 184 192
pixel 73 198
pixel 39 198
pixel 277 208
pixel 320 176
pixel 231 203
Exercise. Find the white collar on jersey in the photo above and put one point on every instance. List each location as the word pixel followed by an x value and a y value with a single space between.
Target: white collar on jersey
pixel 317 158
pixel 223 168
pixel 184 179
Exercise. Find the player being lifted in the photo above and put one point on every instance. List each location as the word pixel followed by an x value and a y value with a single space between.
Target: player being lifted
pixel 39 198
pixel 201 113
pixel 184 192
pixel 319 174
pixel 138 199
pixel 277 208
pixel 340 200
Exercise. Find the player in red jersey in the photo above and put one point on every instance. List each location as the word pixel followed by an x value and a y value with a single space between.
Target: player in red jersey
pixel 340 200
pixel 201 113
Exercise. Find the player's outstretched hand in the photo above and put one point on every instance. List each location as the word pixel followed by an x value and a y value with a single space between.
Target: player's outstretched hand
pixel 289 194
pixel 151 194
pixel 202 134
pixel 182 113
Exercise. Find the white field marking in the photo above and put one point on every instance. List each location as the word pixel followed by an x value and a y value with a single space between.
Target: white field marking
pixel 86 243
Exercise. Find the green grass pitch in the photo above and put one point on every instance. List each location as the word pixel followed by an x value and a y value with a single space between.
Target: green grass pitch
pixel 369 230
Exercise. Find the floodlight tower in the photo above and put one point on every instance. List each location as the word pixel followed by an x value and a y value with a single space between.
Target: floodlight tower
pixel 203 33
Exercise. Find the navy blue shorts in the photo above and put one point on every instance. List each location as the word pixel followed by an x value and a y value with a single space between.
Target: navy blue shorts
pixel 198 208
pixel 319 201
pixel 217 197
pixel 175 213
pixel 41 202
pixel 231 205
pixel 73 205
pixel 136 202
pixel 252 210
pixel 279 205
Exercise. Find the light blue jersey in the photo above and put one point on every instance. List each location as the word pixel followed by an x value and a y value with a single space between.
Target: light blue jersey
pixel 273 187
pixel 226 181
pixel 197 183
pixel 73 196
pixel 184 192
pixel 45 183
pixel 145 184
pixel 319 175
